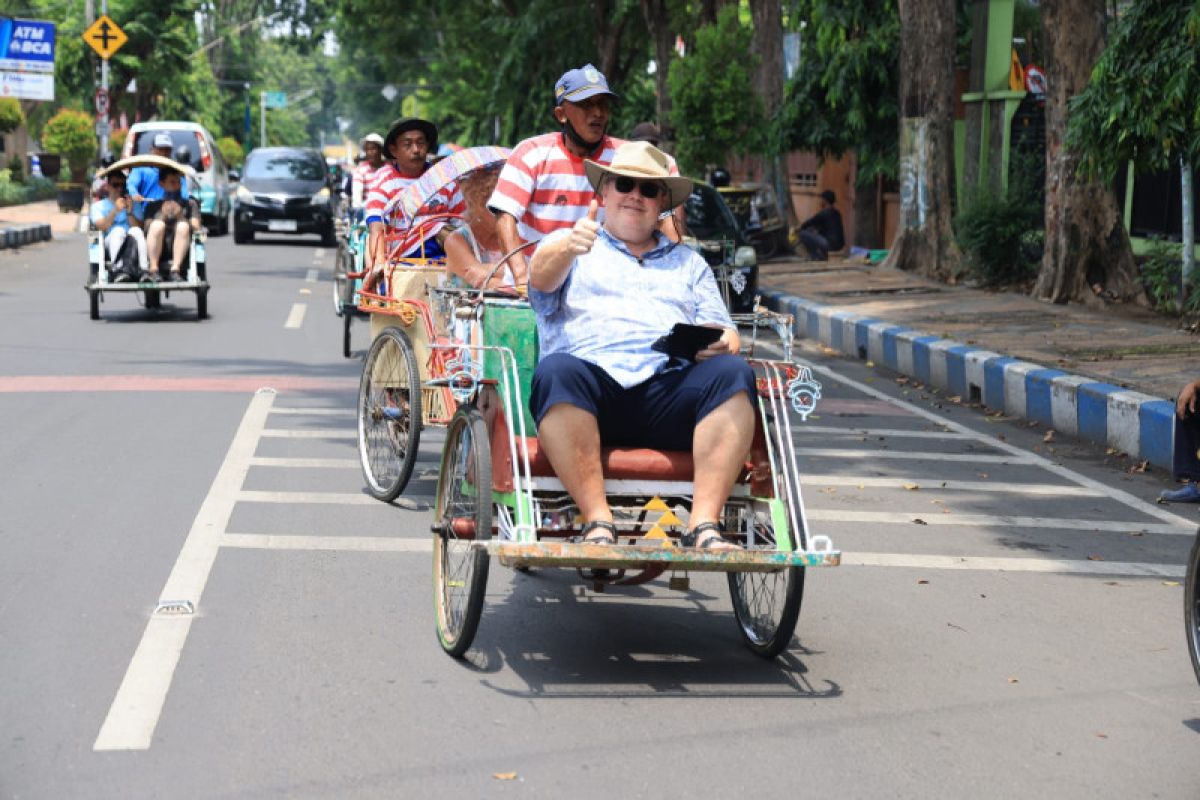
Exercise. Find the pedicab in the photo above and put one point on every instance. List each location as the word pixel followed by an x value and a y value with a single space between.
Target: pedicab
pixel 349 261
pixel 413 328
pixel 102 277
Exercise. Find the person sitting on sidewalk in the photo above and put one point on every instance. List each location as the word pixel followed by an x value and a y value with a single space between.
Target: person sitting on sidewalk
pixel 823 232
pixel 111 215
pixel 172 218
pixel 1186 464
pixel 603 295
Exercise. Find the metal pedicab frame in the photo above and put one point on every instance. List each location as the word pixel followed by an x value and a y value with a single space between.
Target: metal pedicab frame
pixel 347 276
pixel 498 496
pixel 195 272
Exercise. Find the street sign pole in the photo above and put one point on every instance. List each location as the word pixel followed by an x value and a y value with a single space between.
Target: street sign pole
pixel 104 88
pixel 262 119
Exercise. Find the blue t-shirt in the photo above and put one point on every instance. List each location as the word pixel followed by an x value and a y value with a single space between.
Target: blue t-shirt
pixel 144 181
pixel 101 208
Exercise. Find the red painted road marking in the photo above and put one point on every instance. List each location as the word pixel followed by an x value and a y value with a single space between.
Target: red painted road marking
pixel 155 383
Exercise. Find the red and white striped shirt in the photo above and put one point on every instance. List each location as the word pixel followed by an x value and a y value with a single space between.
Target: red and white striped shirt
pixel 544 186
pixel 385 184
pixel 360 181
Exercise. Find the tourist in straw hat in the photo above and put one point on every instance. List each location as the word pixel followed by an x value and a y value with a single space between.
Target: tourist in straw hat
pixel 604 293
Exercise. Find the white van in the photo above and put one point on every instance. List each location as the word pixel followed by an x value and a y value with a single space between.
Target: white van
pixel 216 183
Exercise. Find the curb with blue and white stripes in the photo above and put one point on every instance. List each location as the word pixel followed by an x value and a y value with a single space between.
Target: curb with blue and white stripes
pixel 20 235
pixel 1132 422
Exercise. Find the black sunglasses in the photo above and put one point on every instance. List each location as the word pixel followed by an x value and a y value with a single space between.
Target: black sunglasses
pixel 647 189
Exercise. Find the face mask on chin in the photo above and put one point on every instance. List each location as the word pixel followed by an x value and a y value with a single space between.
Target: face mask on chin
pixel 568 130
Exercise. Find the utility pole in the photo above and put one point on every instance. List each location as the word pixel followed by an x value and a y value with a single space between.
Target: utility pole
pixel 103 89
pixel 262 119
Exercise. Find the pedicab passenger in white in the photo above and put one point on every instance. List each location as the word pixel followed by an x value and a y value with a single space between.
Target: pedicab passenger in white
pixel 113 216
pixel 602 294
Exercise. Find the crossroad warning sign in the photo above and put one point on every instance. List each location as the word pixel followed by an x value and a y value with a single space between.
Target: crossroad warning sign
pixel 105 37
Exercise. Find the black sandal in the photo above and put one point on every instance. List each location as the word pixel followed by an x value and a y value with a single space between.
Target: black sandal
pixel 607 529
pixel 689 538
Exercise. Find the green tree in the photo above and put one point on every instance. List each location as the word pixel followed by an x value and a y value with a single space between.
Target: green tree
pixel 231 151
pixel 1142 104
pixel 11 115
pixel 712 109
pixel 70 134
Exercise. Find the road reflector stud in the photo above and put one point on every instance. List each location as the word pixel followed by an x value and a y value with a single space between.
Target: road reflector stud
pixel 174 608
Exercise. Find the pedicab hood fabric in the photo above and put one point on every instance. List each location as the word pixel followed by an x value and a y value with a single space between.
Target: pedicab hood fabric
pixel 644 161
pixel 580 84
pixel 410 124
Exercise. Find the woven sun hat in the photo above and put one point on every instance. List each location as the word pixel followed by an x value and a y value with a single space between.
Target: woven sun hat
pixel 641 160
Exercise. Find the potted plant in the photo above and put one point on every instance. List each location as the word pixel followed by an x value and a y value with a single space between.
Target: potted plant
pixel 71 135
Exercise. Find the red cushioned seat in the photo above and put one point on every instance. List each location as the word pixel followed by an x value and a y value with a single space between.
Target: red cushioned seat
pixel 624 463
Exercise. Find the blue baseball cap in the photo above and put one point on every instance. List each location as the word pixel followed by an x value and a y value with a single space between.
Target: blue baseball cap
pixel 580 84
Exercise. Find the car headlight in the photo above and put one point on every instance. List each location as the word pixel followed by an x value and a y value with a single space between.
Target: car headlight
pixel 244 194
pixel 321 198
pixel 745 257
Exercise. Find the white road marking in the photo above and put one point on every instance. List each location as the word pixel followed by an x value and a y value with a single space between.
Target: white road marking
pixel 975 458
pixel 311 277
pixel 891 433
pixel 297 498
pixel 296 316
pixel 313 412
pixel 139 701
pixel 1112 492
pixel 936 484
pixel 314 433
pixel 380 544
pixel 318 254
pixel 993 521
pixel 306 463
pixel 1059 565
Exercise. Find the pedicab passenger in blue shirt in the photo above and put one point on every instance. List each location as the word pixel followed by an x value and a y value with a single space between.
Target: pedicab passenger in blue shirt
pixel 144 181
pixel 603 295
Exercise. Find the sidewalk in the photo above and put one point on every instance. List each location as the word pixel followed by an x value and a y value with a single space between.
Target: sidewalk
pixel 36 221
pixel 1103 375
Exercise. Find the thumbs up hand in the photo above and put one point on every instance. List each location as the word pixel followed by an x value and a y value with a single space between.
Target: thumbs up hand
pixel 583 235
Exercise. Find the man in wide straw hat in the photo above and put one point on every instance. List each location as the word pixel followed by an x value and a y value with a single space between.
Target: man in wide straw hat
pixel 603 294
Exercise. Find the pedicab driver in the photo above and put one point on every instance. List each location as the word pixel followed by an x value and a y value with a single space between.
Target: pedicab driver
pixel 543 186
pixel 603 294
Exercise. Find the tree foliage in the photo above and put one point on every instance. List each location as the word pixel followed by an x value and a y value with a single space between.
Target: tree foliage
pixel 1143 101
pixel 844 97
pixel 70 134
pixel 713 110
pixel 11 115
pixel 231 151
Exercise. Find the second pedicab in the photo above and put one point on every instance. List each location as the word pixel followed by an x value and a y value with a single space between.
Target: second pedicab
pixel 404 384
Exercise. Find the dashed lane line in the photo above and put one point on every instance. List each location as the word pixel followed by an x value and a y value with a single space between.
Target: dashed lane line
pixel 309 433
pixel 313 412
pixel 135 710
pixel 295 317
pixel 1112 492
pixel 994 521
pixel 974 458
pixel 298 498
pixel 311 277
pixel 377 544
pixel 306 463
pixel 809 480
pixel 891 433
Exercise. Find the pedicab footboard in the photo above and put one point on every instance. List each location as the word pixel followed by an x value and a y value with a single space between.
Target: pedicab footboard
pixel 647 556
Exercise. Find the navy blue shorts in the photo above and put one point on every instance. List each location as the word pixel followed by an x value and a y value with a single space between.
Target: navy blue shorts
pixel 660 413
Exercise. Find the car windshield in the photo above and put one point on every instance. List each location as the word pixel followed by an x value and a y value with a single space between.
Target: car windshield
pixel 285 166
pixel 183 143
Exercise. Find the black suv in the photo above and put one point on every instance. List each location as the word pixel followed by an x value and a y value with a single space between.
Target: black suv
pixel 713 231
pixel 284 190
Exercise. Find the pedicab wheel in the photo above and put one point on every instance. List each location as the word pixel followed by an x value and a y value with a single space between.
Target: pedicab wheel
pixel 389 414
pixel 766 605
pixel 347 318
pixel 94 303
pixel 201 303
pixel 462 523
pixel 1191 605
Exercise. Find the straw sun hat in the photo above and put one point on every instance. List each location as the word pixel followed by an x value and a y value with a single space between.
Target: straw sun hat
pixel 644 161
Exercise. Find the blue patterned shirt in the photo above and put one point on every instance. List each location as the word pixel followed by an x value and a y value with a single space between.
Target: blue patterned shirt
pixel 612 305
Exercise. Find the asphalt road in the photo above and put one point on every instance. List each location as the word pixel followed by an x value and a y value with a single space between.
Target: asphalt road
pixel 1006 622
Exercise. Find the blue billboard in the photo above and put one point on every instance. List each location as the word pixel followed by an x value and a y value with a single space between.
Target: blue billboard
pixel 26 45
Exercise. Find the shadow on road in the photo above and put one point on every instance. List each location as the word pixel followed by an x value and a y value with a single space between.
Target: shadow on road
pixel 630 642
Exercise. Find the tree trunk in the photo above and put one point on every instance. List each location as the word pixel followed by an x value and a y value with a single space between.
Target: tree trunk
pixel 609 29
pixel 709 9
pixel 1087 257
pixel 925 238
pixel 658 22
pixel 768 80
